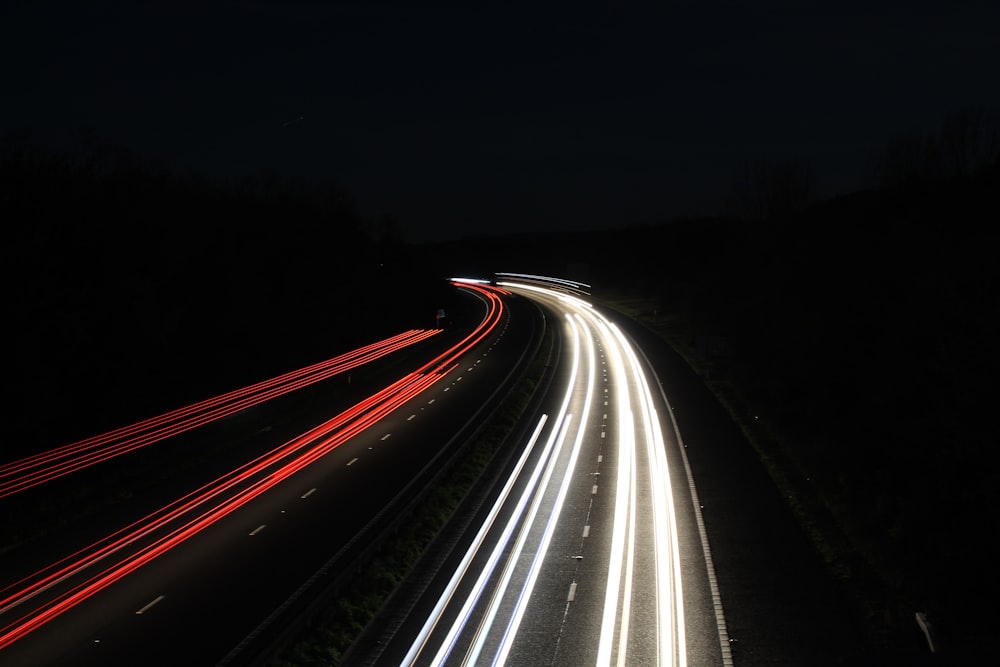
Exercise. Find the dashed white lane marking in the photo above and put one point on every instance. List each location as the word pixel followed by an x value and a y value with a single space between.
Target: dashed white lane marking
pixel 307 493
pixel 410 417
pixel 572 592
pixel 258 529
pixel 586 531
pixel 351 462
pixel 150 605
pixel 386 436
pixel 431 401
pixel 593 489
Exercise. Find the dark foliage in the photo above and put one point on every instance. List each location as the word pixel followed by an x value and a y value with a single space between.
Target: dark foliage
pixel 860 333
pixel 131 289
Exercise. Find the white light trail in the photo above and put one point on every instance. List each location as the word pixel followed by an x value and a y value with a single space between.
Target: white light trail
pixel 623 487
pixel 557 435
pixel 670 609
pixel 449 591
pixel 535 492
pixel 668 559
pixel 471 281
pixel 562 282
pixel 550 526
pixel 485 628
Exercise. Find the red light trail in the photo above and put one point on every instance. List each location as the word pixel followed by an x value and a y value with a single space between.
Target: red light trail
pixel 31 471
pixel 163 529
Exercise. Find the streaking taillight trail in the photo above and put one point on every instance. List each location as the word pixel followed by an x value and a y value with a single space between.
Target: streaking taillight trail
pixel 43 467
pixel 160 531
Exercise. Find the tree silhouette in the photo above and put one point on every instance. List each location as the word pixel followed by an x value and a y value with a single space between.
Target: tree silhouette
pixel 967 143
pixel 765 189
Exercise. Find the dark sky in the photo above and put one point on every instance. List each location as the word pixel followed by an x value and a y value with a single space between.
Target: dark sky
pixel 467 117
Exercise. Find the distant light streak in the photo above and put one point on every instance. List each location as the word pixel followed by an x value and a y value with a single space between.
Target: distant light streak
pixel 477 281
pixel 574 285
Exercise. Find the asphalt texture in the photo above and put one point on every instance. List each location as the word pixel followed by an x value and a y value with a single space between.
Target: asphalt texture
pixel 782 604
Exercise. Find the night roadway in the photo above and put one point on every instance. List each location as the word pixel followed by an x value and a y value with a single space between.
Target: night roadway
pixel 590 518
pixel 200 600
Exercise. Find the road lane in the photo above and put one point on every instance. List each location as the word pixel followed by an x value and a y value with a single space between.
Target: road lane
pixel 213 587
pixel 581 559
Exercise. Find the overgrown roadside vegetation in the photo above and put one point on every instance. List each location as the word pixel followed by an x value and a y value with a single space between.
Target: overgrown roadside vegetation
pixel 854 342
pixel 327 638
pixel 834 546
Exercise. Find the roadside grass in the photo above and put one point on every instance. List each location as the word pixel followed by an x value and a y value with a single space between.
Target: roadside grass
pixel 842 556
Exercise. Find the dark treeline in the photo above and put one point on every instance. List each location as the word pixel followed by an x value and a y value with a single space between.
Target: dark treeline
pixel 131 289
pixel 859 336
pixel 856 339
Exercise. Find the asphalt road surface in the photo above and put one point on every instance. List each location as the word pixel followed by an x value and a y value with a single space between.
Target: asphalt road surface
pixel 197 601
pixel 772 601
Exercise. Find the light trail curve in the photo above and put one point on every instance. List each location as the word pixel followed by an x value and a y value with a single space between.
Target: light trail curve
pixel 604 456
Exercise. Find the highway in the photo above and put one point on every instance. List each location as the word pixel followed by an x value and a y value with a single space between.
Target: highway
pixel 29 472
pixel 591 549
pixel 188 579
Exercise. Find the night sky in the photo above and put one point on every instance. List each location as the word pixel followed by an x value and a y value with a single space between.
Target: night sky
pixel 462 118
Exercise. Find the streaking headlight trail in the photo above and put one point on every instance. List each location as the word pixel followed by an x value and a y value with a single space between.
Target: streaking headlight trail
pixel 497 607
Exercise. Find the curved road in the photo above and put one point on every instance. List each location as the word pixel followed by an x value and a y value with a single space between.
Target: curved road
pixel 582 564
pixel 590 549
pixel 197 600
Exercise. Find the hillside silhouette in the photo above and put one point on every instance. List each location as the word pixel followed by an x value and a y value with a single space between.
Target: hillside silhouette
pixel 854 338
pixel 131 289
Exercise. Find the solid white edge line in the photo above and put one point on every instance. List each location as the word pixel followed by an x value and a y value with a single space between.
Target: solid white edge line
pixel 720 615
